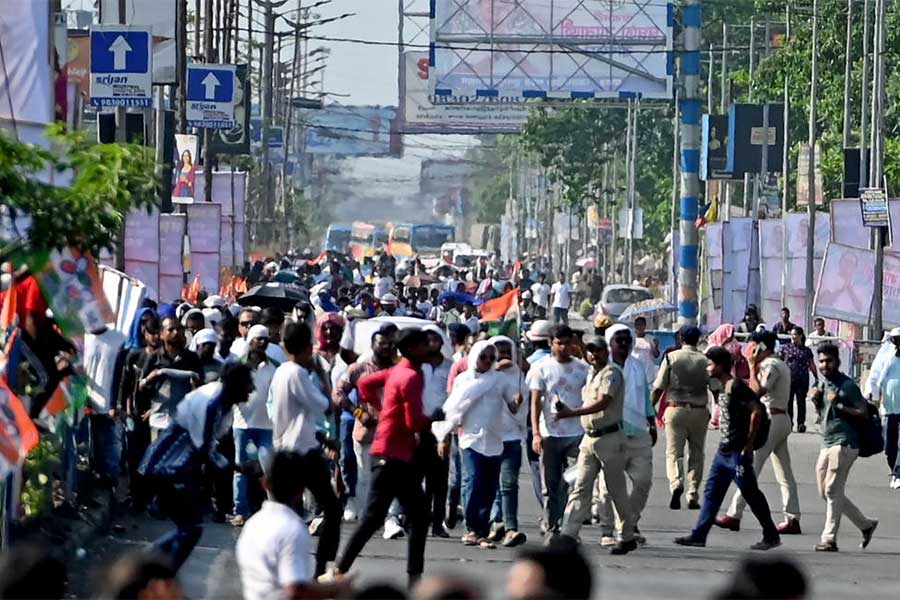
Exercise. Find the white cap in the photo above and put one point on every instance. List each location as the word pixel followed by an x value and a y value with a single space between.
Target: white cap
pixel 613 330
pixel 204 336
pixel 258 331
pixel 526 295
pixel 540 330
pixel 213 301
pixel 895 332
pixel 388 298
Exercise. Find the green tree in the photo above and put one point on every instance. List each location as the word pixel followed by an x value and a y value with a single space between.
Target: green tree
pixel 98 184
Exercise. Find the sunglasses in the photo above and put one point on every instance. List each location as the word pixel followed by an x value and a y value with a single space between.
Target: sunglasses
pixel 247 323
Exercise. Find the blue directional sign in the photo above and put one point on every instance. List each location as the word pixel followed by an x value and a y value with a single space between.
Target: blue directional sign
pixel 121 66
pixel 210 95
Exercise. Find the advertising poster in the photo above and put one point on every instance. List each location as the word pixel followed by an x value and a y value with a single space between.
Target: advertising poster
pixel 204 222
pixel 171 273
pixel 526 48
pixel 847 284
pixel 424 112
pixel 142 246
pixel 185 176
pixel 237 139
pixel 350 130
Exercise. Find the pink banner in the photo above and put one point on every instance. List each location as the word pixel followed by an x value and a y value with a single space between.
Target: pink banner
pixel 171 271
pixel 205 232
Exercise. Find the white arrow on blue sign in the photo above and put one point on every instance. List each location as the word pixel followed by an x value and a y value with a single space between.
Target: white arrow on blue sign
pixel 210 95
pixel 121 66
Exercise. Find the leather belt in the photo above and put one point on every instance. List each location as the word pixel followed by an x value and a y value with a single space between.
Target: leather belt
pixel 777 411
pixel 685 405
pixel 595 433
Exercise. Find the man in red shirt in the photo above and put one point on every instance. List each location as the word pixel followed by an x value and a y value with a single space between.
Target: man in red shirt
pixel 401 419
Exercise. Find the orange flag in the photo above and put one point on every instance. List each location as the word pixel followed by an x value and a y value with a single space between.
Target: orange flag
pixel 193 292
pixel 18 435
pixel 240 286
pixel 498 308
pixel 8 312
pixel 317 259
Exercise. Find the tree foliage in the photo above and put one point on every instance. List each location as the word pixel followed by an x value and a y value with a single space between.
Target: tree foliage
pixel 98 185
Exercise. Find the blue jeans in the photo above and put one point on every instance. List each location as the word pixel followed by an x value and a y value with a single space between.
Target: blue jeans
pixel 454 494
pixel 727 467
pixel 891 425
pixel 106 442
pixel 347 460
pixel 480 475
pixel 506 506
pixel 261 438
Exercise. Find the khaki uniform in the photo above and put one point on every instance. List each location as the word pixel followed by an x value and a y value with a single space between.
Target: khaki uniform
pixel 683 376
pixel 602 448
pixel 776 378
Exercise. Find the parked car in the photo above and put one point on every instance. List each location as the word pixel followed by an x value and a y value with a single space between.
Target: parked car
pixel 617 297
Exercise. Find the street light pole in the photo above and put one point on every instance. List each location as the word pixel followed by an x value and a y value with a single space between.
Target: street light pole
pixel 811 166
pixel 690 106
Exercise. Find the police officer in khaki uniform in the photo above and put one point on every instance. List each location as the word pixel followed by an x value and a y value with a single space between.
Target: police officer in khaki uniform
pixel 603 444
pixel 682 375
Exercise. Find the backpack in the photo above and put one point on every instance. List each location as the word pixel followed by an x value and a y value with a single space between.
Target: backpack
pixel 871 435
pixel 765 422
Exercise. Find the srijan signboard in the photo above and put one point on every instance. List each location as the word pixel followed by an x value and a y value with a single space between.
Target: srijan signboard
pixel 552 48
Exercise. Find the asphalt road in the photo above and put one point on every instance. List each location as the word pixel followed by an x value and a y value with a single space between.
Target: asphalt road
pixel 658 570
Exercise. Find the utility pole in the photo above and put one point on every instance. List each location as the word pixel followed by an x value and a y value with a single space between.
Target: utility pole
pixel 629 225
pixel 181 67
pixel 785 165
pixel 632 193
pixel 747 197
pixel 864 119
pixel 197 27
pixel 847 64
pixel 209 56
pixel 286 194
pixel 266 210
pixel 723 107
pixel 878 163
pixel 811 166
pixel 690 108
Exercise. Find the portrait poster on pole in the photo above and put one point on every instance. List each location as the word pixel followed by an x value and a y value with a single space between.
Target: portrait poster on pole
pixel 185 176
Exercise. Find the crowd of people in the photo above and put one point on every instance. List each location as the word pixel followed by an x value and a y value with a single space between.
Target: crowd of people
pixel 382 401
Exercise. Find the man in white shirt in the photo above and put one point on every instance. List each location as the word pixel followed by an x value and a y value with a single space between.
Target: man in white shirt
pixel 554 382
pixel 274 551
pixel 101 351
pixel 541 292
pixel 646 348
pixel 435 468
pixel 562 299
pixel 384 284
pixel 252 425
pixel 295 406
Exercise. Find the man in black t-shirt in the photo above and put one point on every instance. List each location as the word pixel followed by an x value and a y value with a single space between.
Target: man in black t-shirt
pixel 741 411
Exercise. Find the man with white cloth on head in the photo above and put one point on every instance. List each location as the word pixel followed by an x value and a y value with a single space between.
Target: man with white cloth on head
pixel 884 384
pixel 639 426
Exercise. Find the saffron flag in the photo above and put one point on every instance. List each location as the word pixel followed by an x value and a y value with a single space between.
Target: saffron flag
pixel 502 314
pixel 193 292
pixel 18 435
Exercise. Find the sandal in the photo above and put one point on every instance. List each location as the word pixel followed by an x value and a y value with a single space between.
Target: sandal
pixel 471 539
pixel 486 544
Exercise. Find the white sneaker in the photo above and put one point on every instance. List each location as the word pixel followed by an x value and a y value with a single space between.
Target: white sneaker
pixel 607 541
pixel 350 510
pixel 392 529
pixel 895 483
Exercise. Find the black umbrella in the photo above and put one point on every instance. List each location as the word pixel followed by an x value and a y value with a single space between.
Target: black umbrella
pixel 275 295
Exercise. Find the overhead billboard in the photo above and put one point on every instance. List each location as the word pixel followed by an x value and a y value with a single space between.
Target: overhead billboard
pixel 350 130
pixel 746 135
pixel 552 48
pixel 424 112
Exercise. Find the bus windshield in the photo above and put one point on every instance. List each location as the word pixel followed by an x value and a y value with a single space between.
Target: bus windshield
pixel 430 238
pixel 337 238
